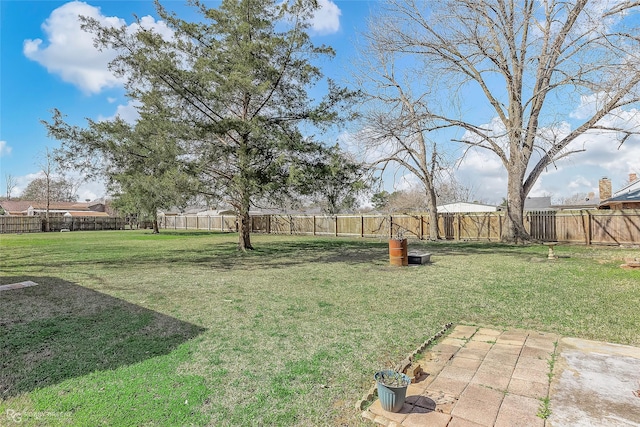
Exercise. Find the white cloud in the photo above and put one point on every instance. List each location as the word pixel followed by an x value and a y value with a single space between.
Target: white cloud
pixel 23 181
pixel 589 104
pixel 326 20
pixel 69 51
pixel 598 154
pixel 359 145
pixel 407 182
pixel 485 173
pixel 5 149
pixel 91 191
pixel 128 113
pixel 87 190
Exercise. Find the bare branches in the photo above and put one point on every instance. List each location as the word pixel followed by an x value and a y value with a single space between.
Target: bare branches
pixel 527 62
pixel 621 8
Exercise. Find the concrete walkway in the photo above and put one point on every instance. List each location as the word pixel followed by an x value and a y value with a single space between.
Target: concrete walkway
pixel 489 377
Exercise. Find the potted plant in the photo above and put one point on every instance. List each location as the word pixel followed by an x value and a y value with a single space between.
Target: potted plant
pixel 398 249
pixel 392 389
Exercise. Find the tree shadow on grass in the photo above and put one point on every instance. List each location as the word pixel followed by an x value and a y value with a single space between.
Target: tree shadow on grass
pixel 267 255
pixel 291 251
pixel 280 252
pixel 59 330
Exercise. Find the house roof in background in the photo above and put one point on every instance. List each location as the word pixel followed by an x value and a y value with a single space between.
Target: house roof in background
pixel 630 187
pixel 86 213
pixel 629 197
pixel 537 203
pixel 75 206
pixel 459 207
pixel 15 205
pixel 23 205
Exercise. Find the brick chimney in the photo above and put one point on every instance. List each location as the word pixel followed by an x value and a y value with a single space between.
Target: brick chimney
pixel 632 177
pixel 604 186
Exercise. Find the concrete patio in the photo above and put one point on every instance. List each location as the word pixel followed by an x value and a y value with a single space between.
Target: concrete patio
pixel 491 377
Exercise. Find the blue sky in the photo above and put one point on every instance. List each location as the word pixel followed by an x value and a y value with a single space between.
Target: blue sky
pixel 47 62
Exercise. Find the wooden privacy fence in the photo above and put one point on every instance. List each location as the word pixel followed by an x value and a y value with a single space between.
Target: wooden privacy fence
pixel 35 224
pixel 20 224
pixel 586 226
pixel 607 227
pixel 198 222
pixel 87 223
pixel 580 226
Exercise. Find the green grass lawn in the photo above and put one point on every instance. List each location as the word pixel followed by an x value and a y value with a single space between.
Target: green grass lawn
pixel 130 329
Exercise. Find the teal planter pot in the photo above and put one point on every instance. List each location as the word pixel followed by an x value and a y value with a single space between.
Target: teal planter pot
pixel 392 389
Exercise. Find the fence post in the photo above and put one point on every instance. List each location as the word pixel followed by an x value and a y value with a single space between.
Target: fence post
pixel 336 220
pixel 587 230
pixel 361 225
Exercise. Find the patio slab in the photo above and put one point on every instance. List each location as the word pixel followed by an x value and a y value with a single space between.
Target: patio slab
pixel 500 378
pixel 595 384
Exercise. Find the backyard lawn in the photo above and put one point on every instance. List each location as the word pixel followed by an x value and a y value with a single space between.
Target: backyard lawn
pixel 127 328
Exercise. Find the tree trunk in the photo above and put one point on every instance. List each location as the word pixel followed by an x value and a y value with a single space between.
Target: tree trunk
pixel 514 231
pixel 244 225
pixel 244 229
pixel 433 214
pixel 244 193
pixel 156 227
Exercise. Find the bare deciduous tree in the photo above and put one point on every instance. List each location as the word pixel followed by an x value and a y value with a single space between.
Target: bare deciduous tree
pixel 528 64
pixel 47 165
pixel 449 190
pixel 396 121
pixel 10 182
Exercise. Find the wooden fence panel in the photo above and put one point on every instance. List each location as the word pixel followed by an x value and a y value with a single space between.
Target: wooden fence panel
pixel 407 225
pixel 324 225
pixel 34 224
pixel 588 227
pixel 571 227
pixel 542 225
pixel 20 224
pixel 480 226
pixel 301 224
pixel 215 223
pixel 616 227
pixel 446 226
pixel 280 224
pixel 349 225
pixel 260 223
pixel 376 226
